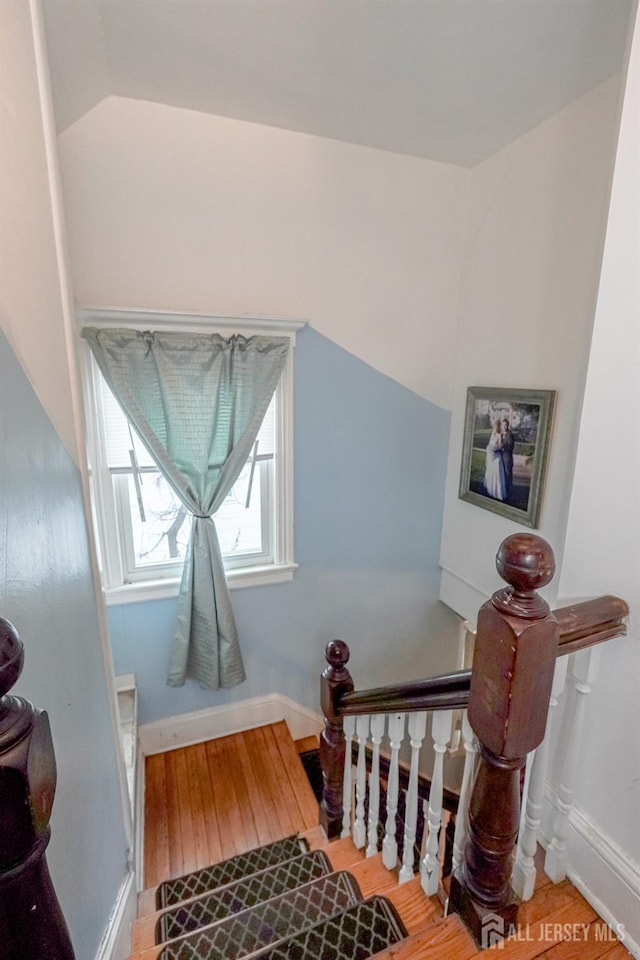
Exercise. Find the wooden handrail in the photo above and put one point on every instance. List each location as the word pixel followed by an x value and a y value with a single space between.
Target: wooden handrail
pixel 589 622
pixel 507 693
pixel 580 625
pixel 446 692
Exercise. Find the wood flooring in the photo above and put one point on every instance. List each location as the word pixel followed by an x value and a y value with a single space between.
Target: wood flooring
pixel 207 802
pixel 210 801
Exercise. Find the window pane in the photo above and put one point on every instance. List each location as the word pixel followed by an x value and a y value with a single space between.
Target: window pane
pixel 162 537
pixel 239 526
pixel 119 437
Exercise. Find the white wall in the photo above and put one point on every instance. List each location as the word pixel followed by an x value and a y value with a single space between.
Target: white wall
pixel 400 261
pixel 31 298
pixel 536 218
pixel 602 553
pixel 173 209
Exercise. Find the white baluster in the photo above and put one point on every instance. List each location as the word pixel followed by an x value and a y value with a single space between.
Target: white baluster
pixel 583 670
pixel 349 727
pixel 377 731
pixel 462 816
pixel 464 658
pixel 417 727
pixel 430 867
pixel 523 878
pixel 456 733
pixel 390 844
pixel 359 827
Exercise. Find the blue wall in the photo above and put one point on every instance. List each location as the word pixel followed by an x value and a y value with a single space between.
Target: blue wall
pixel 370 463
pixel 46 591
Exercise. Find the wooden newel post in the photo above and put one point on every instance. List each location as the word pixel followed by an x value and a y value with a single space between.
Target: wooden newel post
pixel 335 681
pixel 512 674
pixel 32 926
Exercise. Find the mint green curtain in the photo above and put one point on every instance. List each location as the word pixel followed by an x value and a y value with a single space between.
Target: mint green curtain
pixel 197 401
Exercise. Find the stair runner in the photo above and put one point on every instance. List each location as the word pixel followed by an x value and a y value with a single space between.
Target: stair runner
pixel 242 895
pixel 203 881
pixel 295 909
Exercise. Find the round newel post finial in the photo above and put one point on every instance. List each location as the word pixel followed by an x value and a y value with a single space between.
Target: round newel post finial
pixel 526 562
pixel 337 655
pixel 11 656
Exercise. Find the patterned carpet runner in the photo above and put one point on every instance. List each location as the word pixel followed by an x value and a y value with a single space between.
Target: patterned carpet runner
pixel 355 934
pixel 242 895
pixel 277 902
pixel 270 922
pixel 203 881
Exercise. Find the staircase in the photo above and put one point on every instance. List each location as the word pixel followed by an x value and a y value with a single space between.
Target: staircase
pixel 292 896
pixel 299 907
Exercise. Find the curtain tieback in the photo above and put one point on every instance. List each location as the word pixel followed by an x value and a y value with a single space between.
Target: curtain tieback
pixel 202 516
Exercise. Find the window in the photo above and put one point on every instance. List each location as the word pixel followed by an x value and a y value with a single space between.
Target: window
pixel 142 526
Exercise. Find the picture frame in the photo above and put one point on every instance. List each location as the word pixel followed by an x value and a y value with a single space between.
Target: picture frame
pixel 507 434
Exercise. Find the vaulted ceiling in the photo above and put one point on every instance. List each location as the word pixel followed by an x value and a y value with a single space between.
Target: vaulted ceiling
pixel 450 80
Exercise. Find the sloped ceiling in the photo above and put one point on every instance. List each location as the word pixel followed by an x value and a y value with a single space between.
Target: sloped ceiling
pixel 449 80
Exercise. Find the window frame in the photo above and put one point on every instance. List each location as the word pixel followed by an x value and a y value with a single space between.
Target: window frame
pixel 104 502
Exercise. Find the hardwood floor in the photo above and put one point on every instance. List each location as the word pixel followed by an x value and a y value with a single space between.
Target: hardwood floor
pixel 210 801
pixel 207 802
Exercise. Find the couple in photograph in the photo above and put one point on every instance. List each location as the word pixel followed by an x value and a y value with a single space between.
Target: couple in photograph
pixel 498 474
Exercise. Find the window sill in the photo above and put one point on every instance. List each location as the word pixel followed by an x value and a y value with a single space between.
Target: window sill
pixel 164 589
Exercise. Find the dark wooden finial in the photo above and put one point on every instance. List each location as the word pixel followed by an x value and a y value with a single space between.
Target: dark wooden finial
pixel 337 656
pixel 526 562
pixel 11 656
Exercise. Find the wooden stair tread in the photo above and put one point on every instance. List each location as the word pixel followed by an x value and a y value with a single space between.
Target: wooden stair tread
pixel 414 907
pixel 589 947
pixel 150 954
pixel 371 875
pixel 307 743
pixel 447 940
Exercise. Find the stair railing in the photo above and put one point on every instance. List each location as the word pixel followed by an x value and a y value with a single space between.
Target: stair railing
pixel 519 666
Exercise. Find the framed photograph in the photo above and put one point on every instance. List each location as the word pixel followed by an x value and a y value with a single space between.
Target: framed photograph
pixel 504 454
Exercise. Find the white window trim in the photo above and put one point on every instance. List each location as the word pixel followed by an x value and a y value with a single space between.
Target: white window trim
pixel 283 568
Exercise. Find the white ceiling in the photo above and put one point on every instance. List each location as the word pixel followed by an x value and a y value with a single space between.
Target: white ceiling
pixel 450 80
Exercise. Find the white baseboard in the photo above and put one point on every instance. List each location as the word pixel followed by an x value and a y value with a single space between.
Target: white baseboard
pixel 189 728
pixel 605 877
pixel 116 942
